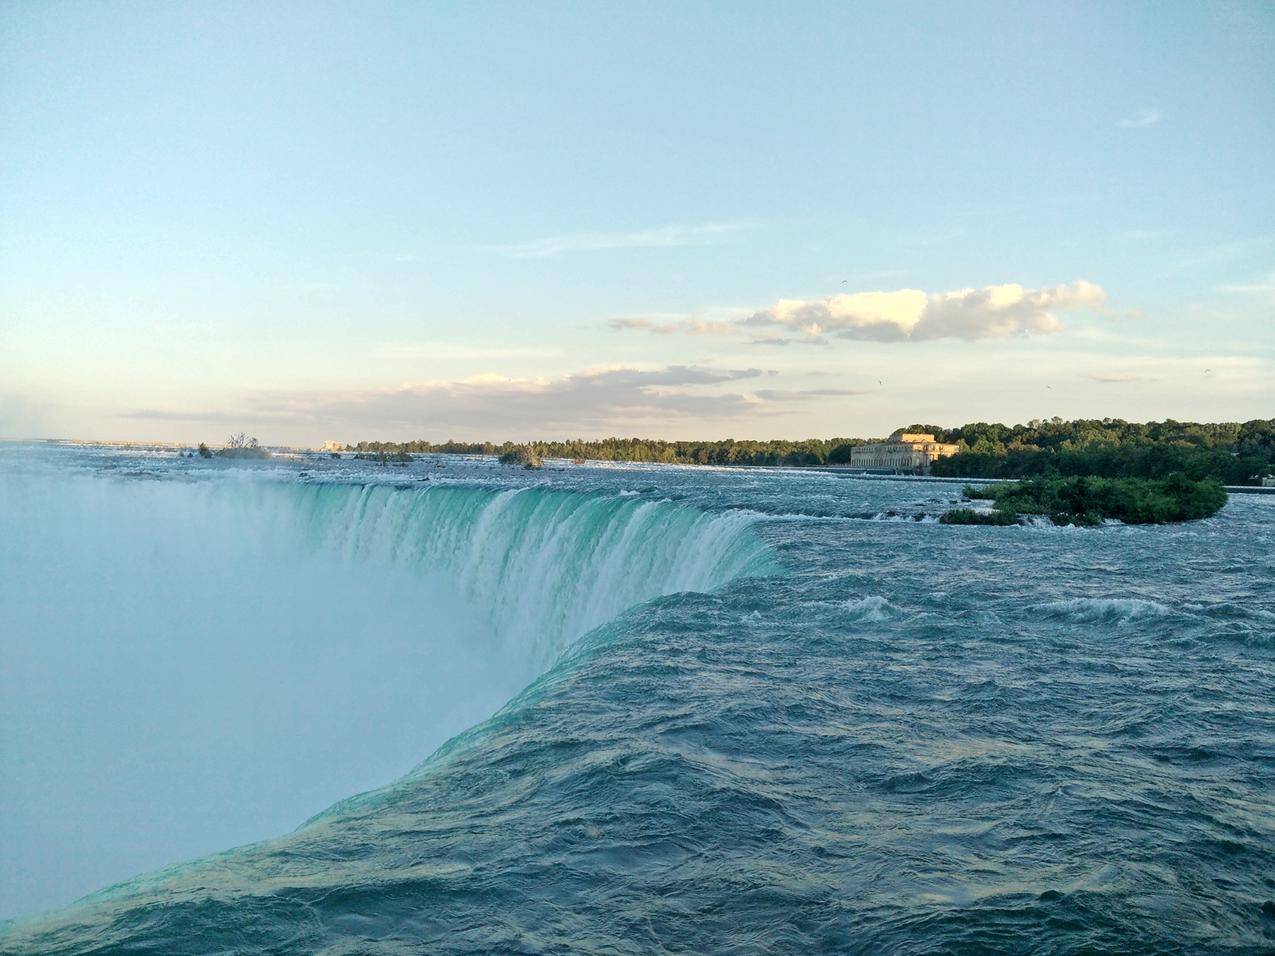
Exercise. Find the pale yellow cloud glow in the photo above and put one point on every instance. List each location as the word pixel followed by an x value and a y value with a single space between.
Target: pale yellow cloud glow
pixel 995 311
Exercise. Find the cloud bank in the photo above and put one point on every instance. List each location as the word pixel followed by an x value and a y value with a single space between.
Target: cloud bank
pixel 619 398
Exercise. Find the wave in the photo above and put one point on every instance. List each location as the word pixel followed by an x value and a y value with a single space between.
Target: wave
pixel 1105 610
pixel 873 608
pixel 918 516
pixel 833 516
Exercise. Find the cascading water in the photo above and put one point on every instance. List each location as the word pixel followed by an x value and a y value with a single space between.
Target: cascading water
pixel 544 566
pixel 254 650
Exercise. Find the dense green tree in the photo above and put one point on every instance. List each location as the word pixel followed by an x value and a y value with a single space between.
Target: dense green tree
pixel 1089 500
pixel 1229 452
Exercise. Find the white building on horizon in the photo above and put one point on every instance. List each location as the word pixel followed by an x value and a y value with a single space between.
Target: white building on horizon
pixel 907 452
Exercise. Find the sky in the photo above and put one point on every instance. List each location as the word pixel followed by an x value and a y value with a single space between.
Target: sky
pixel 498 221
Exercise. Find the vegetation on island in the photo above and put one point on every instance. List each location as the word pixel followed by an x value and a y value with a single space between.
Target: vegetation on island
pixel 239 446
pixel 523 457
pixel 1228 452
pixel 382 457
pixel 1083 500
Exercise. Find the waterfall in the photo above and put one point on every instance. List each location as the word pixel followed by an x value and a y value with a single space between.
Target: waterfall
pixel 223 658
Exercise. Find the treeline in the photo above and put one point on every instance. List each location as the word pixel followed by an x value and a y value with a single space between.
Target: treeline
pixel 1229 452
pixel 728 451
pixel 1233 453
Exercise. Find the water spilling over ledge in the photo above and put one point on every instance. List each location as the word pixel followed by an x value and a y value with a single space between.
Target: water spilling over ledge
pixel 255 650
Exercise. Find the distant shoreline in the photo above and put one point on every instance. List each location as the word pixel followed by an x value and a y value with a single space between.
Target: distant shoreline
pixel 291 452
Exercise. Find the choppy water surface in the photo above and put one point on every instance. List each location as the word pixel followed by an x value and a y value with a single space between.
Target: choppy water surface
pixel 763 714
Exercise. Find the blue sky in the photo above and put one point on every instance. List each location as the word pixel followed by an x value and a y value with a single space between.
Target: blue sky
pixel 349 221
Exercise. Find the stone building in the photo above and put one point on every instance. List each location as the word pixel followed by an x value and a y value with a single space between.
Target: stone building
pixel 907 452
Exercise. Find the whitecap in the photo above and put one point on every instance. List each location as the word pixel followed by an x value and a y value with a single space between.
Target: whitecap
pixel 871 608
pixel 1099 610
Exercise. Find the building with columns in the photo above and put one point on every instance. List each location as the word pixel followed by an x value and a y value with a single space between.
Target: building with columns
pixel 907 452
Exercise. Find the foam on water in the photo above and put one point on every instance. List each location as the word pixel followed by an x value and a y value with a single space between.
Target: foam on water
pixel 871 608
pixel 1106 609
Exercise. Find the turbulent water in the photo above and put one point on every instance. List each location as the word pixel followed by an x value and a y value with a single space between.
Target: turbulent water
pixel 657 708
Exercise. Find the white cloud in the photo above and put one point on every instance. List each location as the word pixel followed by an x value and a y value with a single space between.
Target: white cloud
pixel 1114 378
pixel 779 340
pixel 909 314
pixel 687 326
pixel 1142 119
pixel 996 311
pixel 884 316
pixel 805 394
pixel 1263 287
pixel 664 237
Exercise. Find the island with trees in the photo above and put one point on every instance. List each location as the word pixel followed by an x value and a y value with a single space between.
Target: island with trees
pixel 237 446
pixel 1085 500
pixel 522 457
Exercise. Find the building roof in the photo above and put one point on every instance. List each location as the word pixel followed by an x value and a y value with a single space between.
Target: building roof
pixel 901 436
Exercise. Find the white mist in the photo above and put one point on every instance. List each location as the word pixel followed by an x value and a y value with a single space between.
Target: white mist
pixel 175 682
pixel 194 663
